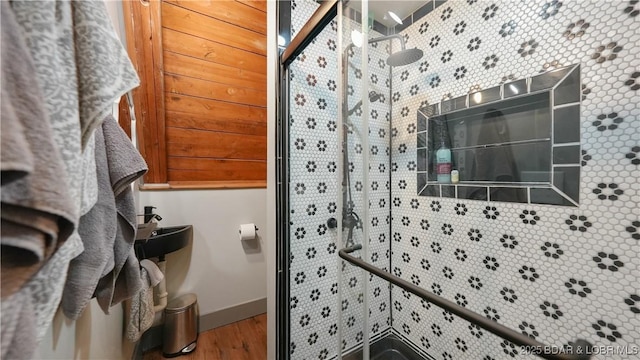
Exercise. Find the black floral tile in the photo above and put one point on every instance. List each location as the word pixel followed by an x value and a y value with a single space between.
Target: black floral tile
pixel 633 82
pixel 608 191
pixel 446 56
pixel 528 329
pixel 528 273
pixel 550 241
pixel 606 52
pixel 508 241
pixel 434 41
pixel 527 48
pixel 474 44
pixel 634 155
pixel 446 13
pixel 633 9
pixel 490 61
pixel 607 330
pixel 459 28
pixel 508 295
pixel 508 28
pixel 608 261
pixel 577 287
pixel 633 301
pixel 460 72
pixel 550 9
pixel 576 29
pixel 551 310
pixel 490 11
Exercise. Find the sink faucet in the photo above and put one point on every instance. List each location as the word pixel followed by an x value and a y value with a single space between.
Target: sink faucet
pixel 149 215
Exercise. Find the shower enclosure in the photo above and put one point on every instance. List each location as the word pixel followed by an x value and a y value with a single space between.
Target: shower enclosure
pixel 532 251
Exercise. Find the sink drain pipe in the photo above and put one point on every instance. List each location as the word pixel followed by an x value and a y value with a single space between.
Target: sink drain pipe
pixel 160 293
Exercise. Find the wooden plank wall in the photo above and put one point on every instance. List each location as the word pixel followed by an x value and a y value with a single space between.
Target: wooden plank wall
pixel 214 62
pixel 142 24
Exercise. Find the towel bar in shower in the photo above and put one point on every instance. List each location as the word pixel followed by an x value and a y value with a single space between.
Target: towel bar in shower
pixel 579 351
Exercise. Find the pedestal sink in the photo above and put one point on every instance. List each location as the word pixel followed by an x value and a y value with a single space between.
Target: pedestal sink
pixel 162 241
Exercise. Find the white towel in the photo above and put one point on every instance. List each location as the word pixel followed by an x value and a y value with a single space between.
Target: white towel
pixel 139 309
pixel 105 72
pixel 18 326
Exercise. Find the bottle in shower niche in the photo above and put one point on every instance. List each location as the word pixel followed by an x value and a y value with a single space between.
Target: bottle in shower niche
pixel 443 159
pixel 443 164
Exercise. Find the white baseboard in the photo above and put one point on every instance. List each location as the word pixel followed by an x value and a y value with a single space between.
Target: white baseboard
pixel 232 314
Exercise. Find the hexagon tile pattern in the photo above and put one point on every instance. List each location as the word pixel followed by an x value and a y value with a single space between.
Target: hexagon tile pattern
pixel 553 273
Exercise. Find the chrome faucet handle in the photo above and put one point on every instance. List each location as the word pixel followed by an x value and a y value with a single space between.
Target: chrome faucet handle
pixel 149 217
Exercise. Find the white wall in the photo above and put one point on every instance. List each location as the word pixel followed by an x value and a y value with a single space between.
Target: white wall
pixel 93 336
pixel 220 269
pixel 270 241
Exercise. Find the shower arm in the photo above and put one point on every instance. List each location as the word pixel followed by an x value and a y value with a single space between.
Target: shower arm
pixel 389 37
pixel 378 39
pixel 581 349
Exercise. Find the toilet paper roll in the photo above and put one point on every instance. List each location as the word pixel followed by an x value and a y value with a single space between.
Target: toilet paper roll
pixel 247 231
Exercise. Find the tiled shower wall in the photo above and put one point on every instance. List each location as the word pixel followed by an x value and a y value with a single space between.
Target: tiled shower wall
pixel 553 273
pixel 317 310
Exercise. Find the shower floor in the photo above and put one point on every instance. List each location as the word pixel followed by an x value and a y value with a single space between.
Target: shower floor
pixel 390 347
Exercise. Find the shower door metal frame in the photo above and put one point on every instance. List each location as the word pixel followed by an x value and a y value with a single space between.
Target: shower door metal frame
pixel 283 11
pixel 320 18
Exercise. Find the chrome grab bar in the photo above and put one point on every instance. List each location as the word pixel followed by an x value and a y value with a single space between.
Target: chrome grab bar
pixel 579 351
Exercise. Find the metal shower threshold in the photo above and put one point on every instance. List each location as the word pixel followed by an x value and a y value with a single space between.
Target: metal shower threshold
pixel 389 347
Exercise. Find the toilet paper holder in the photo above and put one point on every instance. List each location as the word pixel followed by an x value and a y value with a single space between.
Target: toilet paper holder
pixel 240 231
pixel 248 232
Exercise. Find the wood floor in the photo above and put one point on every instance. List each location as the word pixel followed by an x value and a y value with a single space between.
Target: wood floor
pixel 243 340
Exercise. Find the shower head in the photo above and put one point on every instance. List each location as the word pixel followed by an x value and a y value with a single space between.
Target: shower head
pixel 404 57
pixel 373 97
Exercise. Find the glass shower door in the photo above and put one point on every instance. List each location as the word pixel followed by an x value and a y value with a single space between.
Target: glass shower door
pixel 310 153
pixel 327 200
pixel 366 109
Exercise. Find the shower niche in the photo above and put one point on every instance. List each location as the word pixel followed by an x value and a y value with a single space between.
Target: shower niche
pixel 516 142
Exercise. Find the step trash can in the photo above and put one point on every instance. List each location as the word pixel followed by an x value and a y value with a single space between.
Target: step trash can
pixel 181 321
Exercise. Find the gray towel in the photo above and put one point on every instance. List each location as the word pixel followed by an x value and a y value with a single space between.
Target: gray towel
pixel 98 230
pixel 38 202
pixel 125 166
pixel 139 311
